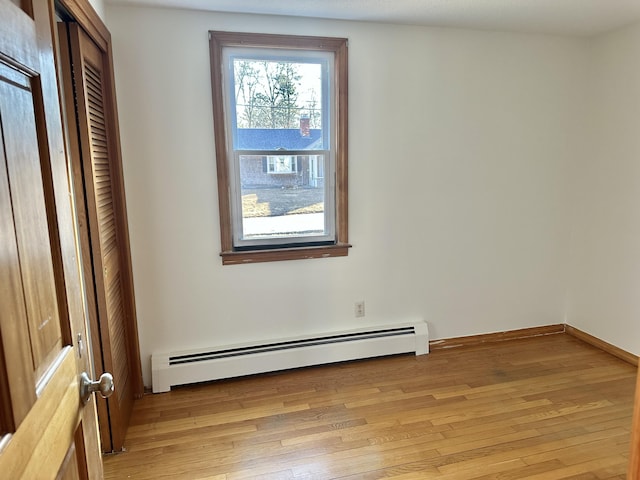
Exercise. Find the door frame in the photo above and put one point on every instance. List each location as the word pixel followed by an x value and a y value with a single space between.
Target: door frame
pixel 85 16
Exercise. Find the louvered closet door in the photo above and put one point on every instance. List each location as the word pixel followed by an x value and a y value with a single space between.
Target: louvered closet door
pixel 96 160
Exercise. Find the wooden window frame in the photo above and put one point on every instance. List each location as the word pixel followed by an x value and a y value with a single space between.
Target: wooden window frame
pixel 217 41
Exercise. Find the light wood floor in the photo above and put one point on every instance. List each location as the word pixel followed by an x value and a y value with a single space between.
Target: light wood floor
pixel 543 408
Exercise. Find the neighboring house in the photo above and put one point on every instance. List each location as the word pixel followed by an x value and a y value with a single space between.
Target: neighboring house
pixel 286 171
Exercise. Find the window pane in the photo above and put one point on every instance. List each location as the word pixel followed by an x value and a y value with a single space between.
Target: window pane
pixel 279 103
pixel 282 196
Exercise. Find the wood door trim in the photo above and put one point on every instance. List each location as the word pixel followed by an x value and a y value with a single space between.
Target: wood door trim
pixel 84 14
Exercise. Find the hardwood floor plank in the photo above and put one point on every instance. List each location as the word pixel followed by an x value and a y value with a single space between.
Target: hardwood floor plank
pixel 540 408
pixel 582 469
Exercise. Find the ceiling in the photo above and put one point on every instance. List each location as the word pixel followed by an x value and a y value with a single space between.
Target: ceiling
pixel 564 17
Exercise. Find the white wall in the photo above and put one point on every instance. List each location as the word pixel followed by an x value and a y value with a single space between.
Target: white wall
pixel 604 296
pixel 98 6
pixel 461 144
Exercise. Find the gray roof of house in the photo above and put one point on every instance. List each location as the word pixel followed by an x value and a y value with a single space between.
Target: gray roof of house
pixel 278 139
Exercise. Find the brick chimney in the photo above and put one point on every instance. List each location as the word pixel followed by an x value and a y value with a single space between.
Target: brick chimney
pixel 305 128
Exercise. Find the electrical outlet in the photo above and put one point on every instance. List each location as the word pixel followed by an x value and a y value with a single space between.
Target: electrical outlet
pixel 359 309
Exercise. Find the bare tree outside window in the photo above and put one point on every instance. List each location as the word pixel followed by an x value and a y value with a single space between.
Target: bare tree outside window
pixel 273 94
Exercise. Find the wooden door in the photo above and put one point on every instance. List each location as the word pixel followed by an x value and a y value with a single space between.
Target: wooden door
pixel 45 430
pixel 104 243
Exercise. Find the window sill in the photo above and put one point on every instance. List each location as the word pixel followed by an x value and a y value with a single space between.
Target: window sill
pixel 276 255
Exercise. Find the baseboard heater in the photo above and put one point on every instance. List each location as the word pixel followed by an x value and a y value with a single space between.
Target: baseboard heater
pixel 182 368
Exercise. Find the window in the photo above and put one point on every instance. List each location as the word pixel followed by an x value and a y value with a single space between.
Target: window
pixel 280 127
pixel 282 164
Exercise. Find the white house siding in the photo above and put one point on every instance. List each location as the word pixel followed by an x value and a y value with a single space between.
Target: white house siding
pixel 253 174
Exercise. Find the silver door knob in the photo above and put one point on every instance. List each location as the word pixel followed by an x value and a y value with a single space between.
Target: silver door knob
pixel 104 386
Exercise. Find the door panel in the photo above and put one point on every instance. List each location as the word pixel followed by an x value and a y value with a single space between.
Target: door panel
pixel 29 212
pixel 17 370
pixel 40 302
pixel 17 397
